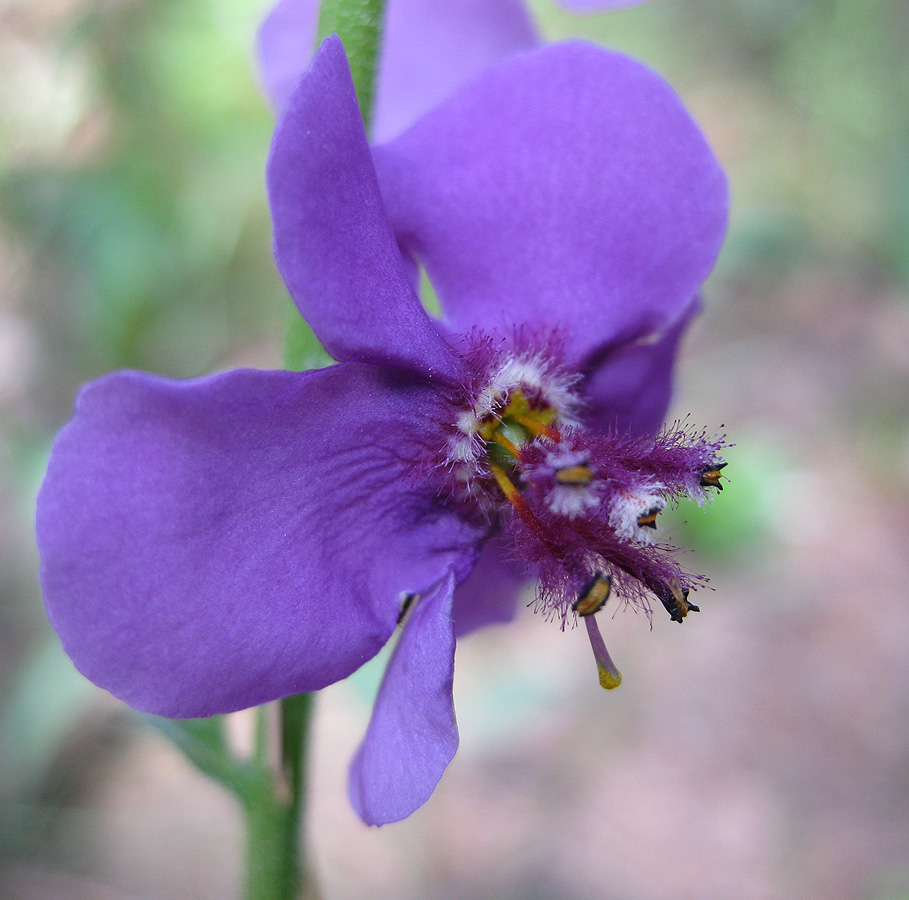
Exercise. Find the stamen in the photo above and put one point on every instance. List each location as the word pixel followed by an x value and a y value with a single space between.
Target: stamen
pixel 503 441
pixel 535 427
pixel 710 477
pixel 513 495
pixel 594 595
pixel 610 676
pixel 580 475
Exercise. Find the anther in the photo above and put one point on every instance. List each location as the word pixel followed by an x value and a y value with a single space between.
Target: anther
pixel 407 601
pixel 594 595
pixel 710 477
pixel 675 599
pixel 580 475
pixel 610 676
pixel 648 520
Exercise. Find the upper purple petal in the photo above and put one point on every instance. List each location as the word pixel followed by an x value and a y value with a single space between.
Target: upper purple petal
pixel 430 48
pixel 565 188
pixel 216 544
pixel 284 47
pixel 412 735
pixel 333 243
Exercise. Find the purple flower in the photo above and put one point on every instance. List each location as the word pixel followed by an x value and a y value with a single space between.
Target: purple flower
pixel 216 544
pixel 430 48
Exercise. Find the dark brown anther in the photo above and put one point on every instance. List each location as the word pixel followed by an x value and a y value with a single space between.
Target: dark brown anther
pixel 407 601
pixel 648 520
pixel 594 595
pixel 577 475
pixel 710 477
pixel 675 599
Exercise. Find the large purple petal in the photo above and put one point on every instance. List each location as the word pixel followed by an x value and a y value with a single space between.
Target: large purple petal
pixel 333 243
pixel 489 594
pixel 412 735
pixel 430 48
pixel 215 544
pixel 566 188
pixel 630 388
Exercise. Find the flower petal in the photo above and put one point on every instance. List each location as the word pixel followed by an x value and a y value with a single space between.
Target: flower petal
pixel 630 389
pixel 566 188
pixel 430 48
pixel 284 47
pixel 489 594
pixel 212 545
pixel 412 735
pixel 333 243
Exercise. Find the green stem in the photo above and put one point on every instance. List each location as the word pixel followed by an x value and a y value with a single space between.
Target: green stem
pixel 274 800
pixel 359 24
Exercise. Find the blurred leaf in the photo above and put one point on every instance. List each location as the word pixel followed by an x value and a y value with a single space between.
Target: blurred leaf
pixel 47 700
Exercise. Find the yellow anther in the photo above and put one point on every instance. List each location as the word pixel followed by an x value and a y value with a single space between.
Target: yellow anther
pixel 648 520
pixel 577 475
pixel 710 477
pixel 594 595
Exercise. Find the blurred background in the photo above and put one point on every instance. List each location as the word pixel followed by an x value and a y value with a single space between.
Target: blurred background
pixel 762 751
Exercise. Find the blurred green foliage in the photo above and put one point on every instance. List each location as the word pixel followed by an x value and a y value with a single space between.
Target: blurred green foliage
pixel 147 221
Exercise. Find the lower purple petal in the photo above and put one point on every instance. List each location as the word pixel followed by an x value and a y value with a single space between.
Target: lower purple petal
pixel 489 594
pixel 412 735
pixel 216 544
pixel 630 389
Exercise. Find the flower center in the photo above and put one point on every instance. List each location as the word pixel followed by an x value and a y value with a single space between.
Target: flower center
pixel 578 507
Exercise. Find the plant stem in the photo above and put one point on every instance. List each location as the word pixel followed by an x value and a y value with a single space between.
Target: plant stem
pixel 359 24
pixel 274 799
